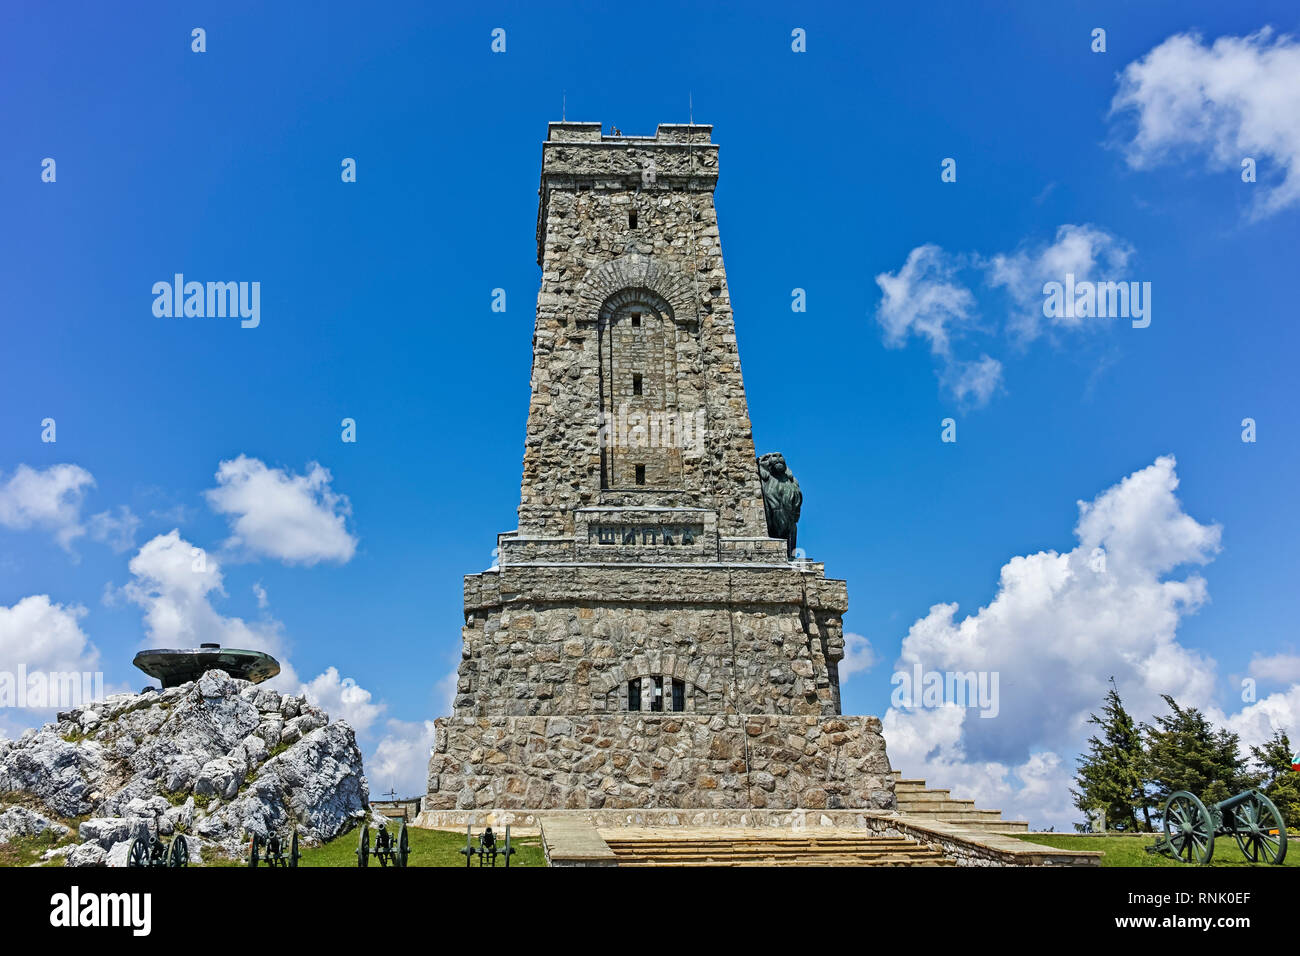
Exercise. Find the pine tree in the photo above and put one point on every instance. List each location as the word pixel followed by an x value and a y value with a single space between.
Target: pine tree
pixel 1281 782
pixel 1185 752
pixel 1110 776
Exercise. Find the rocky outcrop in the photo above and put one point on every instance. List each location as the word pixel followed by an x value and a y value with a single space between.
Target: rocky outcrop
pixel 218 759
pixel 18 822
pixel 88 854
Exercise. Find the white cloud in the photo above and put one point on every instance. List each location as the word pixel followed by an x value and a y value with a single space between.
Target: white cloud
pixel 343 699
pixel 400 760
pixel 49 499
pixel 52 498
pixel 174 586
pixel 926 299
pixel 1276 668
pixel 444 693
pixel 858 656
pixel 1237 98
pixel 259 592
pixel 1256 722
pixel 37 635
pixel 117 531
pixel 1059 626
pixel 976 380
pixel 297 519
pixel 1087 252
pixel 923 299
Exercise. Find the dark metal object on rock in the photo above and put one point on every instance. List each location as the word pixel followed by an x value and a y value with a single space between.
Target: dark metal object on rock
pixel 174 667
pixel 1249 817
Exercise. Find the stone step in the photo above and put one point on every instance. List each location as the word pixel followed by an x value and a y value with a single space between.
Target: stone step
pixel 784 850
pixel 916 852
pixel 912 786
pixel 996 826
pixel 955 816
pixel 942 806
pixel 768 846
pixel 990 824
pixel 931 797
pixel 813 859
pixel 706 846
pixel 914 798
pixel 794 861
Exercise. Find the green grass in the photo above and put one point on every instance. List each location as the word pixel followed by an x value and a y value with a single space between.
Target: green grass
pixel 428 848
pixel 25 851
pixel 1126 850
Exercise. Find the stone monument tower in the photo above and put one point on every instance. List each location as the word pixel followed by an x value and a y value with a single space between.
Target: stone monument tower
pixel 643 641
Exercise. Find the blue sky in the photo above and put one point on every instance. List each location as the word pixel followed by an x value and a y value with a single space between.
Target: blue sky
pixel 376 296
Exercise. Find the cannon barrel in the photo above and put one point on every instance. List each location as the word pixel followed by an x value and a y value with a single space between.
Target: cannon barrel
pixel 1234 800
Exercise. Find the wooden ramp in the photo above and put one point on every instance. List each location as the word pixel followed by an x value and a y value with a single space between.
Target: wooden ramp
pixel 733 846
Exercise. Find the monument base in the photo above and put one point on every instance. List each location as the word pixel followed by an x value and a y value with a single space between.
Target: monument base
pixel 660 760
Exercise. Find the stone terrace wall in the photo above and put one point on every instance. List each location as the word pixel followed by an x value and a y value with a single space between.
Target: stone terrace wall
pixel 763 641
pixel 659 760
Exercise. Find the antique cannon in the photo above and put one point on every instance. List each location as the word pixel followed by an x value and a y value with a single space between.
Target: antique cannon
pixel 487 850
pixel 389 850
pixel 1250 817
pixel 152 852
pixel 270 851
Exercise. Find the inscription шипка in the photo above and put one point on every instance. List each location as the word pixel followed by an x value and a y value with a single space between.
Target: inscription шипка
pixel 658 534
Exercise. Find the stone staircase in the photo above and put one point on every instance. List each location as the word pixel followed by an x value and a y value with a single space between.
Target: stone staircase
pixel 917 800
pixel 735 847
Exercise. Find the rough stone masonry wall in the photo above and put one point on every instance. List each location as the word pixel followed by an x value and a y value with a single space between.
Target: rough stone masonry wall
pixel 659 760
pixel 589 253
pixel 577 659
pixel 564 640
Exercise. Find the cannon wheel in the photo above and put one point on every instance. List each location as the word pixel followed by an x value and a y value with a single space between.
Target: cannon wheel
pixel 137 854
pixel 293 851
pixel 403 846
pixel 1259 829
pixel 363 846
pixel 1189 829
pixel 253 848
pixel 178 853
